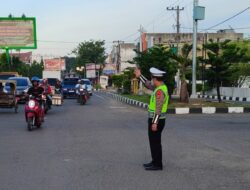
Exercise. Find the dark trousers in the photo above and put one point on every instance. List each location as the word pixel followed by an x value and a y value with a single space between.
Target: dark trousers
pixel 155 141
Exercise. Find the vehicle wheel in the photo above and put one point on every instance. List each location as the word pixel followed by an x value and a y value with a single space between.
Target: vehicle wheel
pixel 29 124
pixel 82 100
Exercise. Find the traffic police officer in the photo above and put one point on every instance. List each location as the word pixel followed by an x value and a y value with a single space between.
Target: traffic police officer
pixel 157 115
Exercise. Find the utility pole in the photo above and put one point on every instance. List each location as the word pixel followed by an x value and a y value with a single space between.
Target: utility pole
pixel 195 27
pixel 118 54
pixel 177 40
pixel 178 25
pixel 141 49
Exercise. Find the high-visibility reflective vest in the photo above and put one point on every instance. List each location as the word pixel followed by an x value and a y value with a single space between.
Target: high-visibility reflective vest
pixel 152 104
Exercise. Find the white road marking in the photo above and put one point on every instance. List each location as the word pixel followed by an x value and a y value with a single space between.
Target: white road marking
pixel 113 107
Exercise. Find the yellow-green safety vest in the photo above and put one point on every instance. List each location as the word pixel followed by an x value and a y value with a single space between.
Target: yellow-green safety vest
pixel 152 104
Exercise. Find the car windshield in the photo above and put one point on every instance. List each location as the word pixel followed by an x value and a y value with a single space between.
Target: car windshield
pixel 70 82
pixel 87 82
pixel 19 82
pixel 51 81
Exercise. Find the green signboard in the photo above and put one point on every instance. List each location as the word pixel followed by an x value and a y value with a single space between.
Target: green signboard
pixel 18 33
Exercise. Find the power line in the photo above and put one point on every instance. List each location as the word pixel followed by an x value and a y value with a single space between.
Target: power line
pixel 240 28
pixel 151 22
pixel 222 22
pixel 177 9
pixel 66 42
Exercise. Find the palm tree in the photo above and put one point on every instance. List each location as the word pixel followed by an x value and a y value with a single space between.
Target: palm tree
pixel 184 62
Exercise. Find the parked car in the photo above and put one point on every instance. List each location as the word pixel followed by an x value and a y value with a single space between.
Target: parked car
pixel 89 86
pixel 69 85
pixel 22 86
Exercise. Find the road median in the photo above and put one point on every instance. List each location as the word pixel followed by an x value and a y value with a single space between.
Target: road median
pixel 182 110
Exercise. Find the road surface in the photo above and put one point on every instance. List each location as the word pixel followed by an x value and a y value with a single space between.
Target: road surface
pixel 103 145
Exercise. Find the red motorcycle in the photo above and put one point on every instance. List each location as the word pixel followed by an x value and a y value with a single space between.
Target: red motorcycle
pixel 34 113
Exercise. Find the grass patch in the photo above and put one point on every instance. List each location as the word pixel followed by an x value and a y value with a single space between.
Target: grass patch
pixel 174 103
pixel 143 98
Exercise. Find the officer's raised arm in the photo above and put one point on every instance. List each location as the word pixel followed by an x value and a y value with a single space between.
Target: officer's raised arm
pixel 143 79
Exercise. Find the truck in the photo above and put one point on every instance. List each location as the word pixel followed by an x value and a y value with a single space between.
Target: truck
pixel 52 74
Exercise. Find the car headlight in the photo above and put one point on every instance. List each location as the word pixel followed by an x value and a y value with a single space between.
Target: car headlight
pixel 65 89
pixel 32 103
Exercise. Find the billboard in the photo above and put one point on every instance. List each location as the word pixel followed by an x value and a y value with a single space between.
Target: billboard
pixel 92 66
pixel 109 69
pixel 91 74
pixel 92 69
pixel 18 33
pixel 54 64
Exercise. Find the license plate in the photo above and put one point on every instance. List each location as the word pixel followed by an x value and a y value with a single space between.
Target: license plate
pixel 71 91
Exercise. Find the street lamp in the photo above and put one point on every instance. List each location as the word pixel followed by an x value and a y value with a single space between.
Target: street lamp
pixel 81 69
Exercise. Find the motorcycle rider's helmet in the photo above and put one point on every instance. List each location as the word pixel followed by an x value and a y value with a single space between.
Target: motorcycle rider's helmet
pixel 33 79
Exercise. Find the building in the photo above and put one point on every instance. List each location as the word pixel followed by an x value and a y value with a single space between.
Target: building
pixel 151 39
pixel 121 56
pixel 23 57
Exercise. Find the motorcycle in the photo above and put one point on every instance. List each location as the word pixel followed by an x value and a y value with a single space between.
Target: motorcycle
pixel 34 113
pixel 82 96
pixel 47 101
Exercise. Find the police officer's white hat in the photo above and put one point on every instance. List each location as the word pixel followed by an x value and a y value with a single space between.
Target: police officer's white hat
pixel 156 72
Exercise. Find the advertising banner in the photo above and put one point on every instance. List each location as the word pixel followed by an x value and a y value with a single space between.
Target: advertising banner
pixel 54 64
pixel 109 69
pixel 18 33
pixel 91 74
pixel 92 66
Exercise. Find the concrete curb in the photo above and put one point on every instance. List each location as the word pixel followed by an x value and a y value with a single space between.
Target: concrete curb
pixel 179 111
pixel 236 99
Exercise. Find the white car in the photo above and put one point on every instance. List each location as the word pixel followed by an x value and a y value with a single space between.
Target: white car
pixel 88 85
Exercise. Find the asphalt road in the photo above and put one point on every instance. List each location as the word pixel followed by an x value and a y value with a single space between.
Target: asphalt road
pixel 103 145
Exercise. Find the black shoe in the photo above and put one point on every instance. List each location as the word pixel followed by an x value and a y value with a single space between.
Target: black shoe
pixel 150 164
pixel 153 168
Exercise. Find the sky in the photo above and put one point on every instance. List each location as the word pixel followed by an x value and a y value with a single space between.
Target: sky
pixel 62 24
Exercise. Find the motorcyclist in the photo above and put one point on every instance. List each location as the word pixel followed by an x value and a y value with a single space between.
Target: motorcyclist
pixel 79 86
pixel 58 86
pixel 35 90
pixel 48 92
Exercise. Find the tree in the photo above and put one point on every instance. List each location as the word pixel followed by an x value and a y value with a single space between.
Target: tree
pixel 23 69
pixel 240 73
pixel 221 56
pixel 90 52
pixel 70 63
pixel 184 62
pixel 160 57
pixel 35 69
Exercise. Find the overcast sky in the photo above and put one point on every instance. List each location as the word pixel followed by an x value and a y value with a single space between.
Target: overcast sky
pixel 79 20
